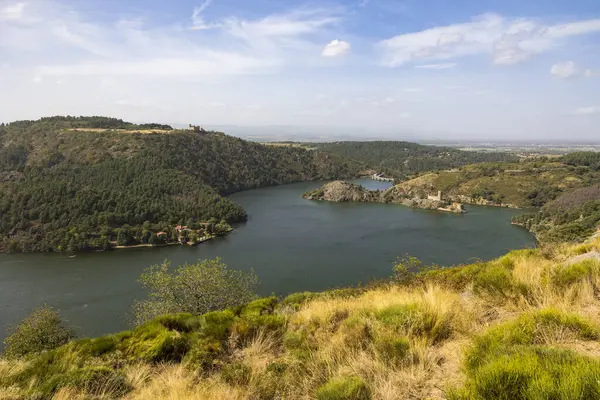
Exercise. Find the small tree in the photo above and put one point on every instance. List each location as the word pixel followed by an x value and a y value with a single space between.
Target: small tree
pixel 208 285
pixel 42 330
pixel 404 269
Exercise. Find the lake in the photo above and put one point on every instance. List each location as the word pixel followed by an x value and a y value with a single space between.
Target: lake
pixel 293 245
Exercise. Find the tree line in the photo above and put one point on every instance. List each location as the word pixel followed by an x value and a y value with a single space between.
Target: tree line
pixel 64 190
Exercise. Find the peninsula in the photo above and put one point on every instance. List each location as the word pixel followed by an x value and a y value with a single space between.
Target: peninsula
pixel 341 191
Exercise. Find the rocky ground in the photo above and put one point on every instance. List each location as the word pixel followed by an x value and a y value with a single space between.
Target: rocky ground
pixel 341 191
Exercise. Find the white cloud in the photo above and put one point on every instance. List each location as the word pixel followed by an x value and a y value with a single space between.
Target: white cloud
pixel 336 48
pixel 283 25
pixel 130 47
pixel 413 90
pixel 12 12
pixel 437 66
pixel 506 41
pixel 564 70
pixel 198 22
pixel 588 110
pixel 36 79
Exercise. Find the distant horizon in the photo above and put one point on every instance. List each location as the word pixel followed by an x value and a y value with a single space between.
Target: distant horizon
pixel 408 70
pixel 308 133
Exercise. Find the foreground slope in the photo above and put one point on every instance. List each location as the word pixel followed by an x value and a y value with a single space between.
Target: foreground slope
pixel 86 183
pixel 524 326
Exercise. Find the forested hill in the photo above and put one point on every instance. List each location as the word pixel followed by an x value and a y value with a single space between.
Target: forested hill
pixel 403 159
pixel 83 183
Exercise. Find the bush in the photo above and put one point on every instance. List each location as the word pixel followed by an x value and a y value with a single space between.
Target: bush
pixel 534 373
pixel 393 350
pixel 195 289
pixel 296 300
pixel 405 268
pixel 42 330
pixel 153 342
pixel 204 355
pixel 570 274
pixel 344 388
pixel 513 361
pixel 529 329
pixel 414 319
pixel 497 281
pixel 237 374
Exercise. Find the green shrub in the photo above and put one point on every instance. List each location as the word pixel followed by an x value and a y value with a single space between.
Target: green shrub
pixel 497 281
pixel 413 319
pixel 534 373
pixel 405 269
pixel 205 355
pixel 217 324
pixel 98 346
pixel 513 361
pixel 344 388
pixel 457 278
pixel 393 350
pixel 236 374
pixel 42 330
pixel 181 322
pixel 259 307
pixel 206 286
pixel 570 274
pixel 294 340
pixel 296 300
pixel 528 329
pixel 153 342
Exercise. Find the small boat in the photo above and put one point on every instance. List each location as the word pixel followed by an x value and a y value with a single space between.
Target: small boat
pixel 72 256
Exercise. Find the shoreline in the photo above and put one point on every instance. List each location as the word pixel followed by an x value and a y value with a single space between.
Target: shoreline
pixel 141 246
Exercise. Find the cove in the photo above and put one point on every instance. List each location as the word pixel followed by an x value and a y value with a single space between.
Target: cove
pixel 293 244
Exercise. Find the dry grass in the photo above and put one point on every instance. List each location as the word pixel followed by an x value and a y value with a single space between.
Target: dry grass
pixel 402 342
pixel 177 383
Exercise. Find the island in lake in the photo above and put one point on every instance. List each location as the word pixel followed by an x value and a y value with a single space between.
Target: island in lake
pixel 341 191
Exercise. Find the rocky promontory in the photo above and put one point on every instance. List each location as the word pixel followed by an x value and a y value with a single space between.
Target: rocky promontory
pixel 341 191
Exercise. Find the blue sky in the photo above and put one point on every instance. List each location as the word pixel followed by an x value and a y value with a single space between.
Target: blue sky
pixel 476 69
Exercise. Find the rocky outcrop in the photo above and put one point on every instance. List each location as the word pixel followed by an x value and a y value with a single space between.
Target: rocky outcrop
pixel 340 191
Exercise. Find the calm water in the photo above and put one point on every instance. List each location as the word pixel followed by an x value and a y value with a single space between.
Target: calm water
pixel 293 244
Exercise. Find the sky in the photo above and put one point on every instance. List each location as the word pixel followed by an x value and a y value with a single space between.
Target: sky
pixel 432 69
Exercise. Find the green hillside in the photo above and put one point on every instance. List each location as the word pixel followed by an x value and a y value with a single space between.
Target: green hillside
pixel 84 183
pixel 526 184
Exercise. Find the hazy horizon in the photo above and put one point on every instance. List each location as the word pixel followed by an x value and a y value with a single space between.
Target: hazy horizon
pixel 403 70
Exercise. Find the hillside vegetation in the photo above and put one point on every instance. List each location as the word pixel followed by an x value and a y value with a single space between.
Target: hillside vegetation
pixel 524 184
pixel 404 159
pixel 64 188
pixel 524 326
pixel 573 216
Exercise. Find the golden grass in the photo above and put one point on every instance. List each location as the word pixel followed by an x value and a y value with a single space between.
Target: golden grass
pixel 177 383
pixel 344 336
